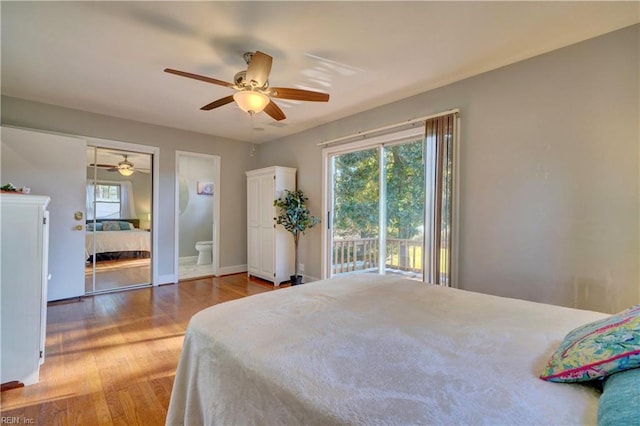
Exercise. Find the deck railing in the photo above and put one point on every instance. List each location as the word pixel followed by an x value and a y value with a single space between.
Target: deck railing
pixel 361 254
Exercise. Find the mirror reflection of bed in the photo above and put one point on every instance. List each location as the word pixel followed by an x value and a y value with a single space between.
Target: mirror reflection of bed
pixel 121 251
pixel 118 220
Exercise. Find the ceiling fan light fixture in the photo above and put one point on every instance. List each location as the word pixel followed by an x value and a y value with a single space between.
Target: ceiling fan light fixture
pixel 253 89
pixel 250 101
pixel 125 168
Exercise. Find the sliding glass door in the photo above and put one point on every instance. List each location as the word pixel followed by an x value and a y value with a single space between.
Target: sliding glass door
pixel 390 202
pixel 378 210
pixel 356 212
pixel 403 207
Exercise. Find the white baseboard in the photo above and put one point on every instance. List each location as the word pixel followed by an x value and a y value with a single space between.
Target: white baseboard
pixel 224 270
pixel 167 279
pixel 229 270
pixel 187 259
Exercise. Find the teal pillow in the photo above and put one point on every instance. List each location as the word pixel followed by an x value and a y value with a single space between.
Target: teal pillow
pixel 619 403
pixel 98 226
pixel 125 226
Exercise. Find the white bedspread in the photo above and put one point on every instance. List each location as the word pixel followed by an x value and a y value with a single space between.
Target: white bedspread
pixel 366 349
pixel 112 241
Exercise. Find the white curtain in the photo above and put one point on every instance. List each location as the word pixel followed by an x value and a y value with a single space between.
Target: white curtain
pixel 90 193
pixel 127 204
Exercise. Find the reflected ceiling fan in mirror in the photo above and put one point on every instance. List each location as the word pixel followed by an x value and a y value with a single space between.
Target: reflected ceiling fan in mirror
pixel 124 167
pixel 253 93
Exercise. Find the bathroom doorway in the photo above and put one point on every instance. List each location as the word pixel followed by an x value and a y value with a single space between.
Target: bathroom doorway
pixel 197 215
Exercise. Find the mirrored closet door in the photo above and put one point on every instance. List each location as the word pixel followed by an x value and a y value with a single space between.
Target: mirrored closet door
pixel 118 219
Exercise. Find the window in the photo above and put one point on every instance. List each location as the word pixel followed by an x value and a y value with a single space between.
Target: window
pixel 378 209
pixel 390 203
pixel 107 201
pixel 113 200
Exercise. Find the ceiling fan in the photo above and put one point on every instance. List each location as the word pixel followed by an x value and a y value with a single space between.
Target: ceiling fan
pixel 253 93
pixel 124 167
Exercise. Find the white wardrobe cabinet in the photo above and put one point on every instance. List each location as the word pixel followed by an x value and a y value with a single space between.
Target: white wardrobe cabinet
pixel 270 249
pixel 24 253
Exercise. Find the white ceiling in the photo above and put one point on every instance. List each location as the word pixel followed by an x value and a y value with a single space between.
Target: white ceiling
pixel 108 57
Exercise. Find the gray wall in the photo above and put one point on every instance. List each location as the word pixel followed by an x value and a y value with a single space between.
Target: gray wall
pixel 549 173
pixel 235 159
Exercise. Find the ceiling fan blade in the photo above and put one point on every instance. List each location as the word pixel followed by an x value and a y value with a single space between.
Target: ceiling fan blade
pixel 298 94
pixel 198 77
pixel 259 68
pixel 102 166
pixel 274 111
pixel 220 102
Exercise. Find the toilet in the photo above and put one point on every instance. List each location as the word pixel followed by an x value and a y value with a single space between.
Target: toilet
pixel 204 252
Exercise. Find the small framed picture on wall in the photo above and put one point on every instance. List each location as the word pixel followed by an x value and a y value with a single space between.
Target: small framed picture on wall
pixel 204 188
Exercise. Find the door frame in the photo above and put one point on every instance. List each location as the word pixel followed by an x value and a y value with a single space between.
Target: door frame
pixel 215 251
pixel 392 136
pixel 155 174
pixel 395 137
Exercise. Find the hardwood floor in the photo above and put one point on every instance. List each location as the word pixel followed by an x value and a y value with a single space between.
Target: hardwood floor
pixel 111 358
pixel 117 273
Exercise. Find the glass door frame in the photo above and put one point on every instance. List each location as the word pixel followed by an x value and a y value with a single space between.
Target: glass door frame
pixel 390 139
pixel 387 134
pixel 155 173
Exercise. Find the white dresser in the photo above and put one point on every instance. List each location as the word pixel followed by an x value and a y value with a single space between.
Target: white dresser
pixel 270 249
pixel 24 254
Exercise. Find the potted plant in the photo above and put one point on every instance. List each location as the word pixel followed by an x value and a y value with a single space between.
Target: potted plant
pixel 296 218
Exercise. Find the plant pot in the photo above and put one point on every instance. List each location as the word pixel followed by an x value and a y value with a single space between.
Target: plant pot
pixel 295 280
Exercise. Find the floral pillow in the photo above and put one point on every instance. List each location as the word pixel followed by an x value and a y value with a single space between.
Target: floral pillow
pixel 597 349
pixel 111 226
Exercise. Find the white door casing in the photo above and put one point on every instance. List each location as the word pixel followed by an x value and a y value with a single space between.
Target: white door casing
pixel 215 237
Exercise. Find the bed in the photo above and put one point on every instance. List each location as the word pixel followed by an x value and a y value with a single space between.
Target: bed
pixel 114 238
pixel 368 349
